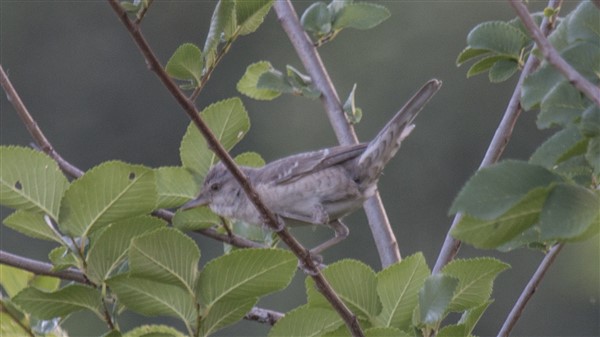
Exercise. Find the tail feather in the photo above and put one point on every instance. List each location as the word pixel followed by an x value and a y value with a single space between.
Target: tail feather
pixel 385 145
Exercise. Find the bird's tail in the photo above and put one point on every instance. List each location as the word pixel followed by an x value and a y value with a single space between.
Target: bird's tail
pixel 385 145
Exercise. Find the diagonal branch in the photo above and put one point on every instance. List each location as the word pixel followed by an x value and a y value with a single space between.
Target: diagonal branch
pixel 387 245
pixel 553 57
pixel 499 141
pixel 269 218
pixel 529 290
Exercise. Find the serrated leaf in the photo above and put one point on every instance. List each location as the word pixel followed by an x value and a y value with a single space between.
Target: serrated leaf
pixel 62 258
pixel 360 15
pixel 537 85
pixel 165 255
pixel 251 14
pixel 386 332
pixel 307 322
pixel 398 287
pixel 248 84
pixel 186 63
pixel 153 331
pixel 485 64
pixel 593 155
pixel 110 248
pixel 276 81
pixel 583 23
pixel 31 224
pixel 494 190
pixel 317 19
pixel 470 317
pixel 549 153
pixel 30 180
pixel 229 122
pixel 568 212
pixel 475 280
pixel 435 297
pixel 499 37
pixel 224 313
pixel 243 274
pixel 503 70
pixel 154 298
pixel 469 53
pixel 560 106
pixel 222 21
pixel 72 298
pixel 590 122
pixel 492 233
pixel 356 285
pixel 195 219
pixel 109 192
pixel 175 186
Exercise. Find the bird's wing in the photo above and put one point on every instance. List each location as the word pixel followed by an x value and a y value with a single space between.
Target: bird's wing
pixel 292 168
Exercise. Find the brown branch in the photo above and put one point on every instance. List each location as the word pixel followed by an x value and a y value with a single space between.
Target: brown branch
pixel 529 290
pixel 42 268
pixel 499 141
pixel 385 241
pixel 553 57
pixel 33 128
pixel 269 218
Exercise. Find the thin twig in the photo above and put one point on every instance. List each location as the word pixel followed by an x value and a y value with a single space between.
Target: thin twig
pixel 529 290
pixel 552 56
pixel 385 241
pixel 42 268
pixel 498 144
pixel 33 128
pixel 269 218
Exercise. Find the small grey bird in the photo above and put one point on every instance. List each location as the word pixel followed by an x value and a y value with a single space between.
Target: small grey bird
pixel 318 187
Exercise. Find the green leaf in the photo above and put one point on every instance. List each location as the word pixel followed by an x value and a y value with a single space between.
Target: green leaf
pixel 470 317
pixel 152 298
pixel 30 180
pixel 497 231
pixel 361 15
pixel 244 274
pixel 537 85
pixel 276 81
pixel 386 332
pixel 14 279
pixel 224 313
pixel 222 21
pixel 593 155
pixel 62 258
pixel 494 190
pixel 32 224
pixel 250 159
pixel 251 14
pixel 549 153
pixel 186 63
pixel 110 248
pixel 153 331
pixel 560 106
pixel 590 121
pixel 398 287
pixel 165 255
pixel 475 280
pixel 195 219
pixel 354 282
pixel 175 186
pixel 109 192
pixel 353 113
pixel 317 19
pixel 9 326
pixel 306 321
pixel 229 122
pixel 469 53
pixel 248 84
pixel 435 297
pixel 485 64
pixel 60 303
pixel 568 212
pixel 503 70
pixel 583 23
pixel 499 37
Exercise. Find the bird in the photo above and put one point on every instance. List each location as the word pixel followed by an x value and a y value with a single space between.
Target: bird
pixel 317 187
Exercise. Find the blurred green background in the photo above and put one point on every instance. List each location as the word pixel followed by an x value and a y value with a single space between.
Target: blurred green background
pixel 87 85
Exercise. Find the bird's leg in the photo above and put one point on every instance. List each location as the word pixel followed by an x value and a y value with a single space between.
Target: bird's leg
pixel 341 232
pixel 227 227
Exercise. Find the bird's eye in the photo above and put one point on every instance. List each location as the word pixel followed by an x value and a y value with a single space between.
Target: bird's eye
pixel 214 187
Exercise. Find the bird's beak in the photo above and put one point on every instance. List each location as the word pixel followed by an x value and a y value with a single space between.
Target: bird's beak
pixel 201 200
